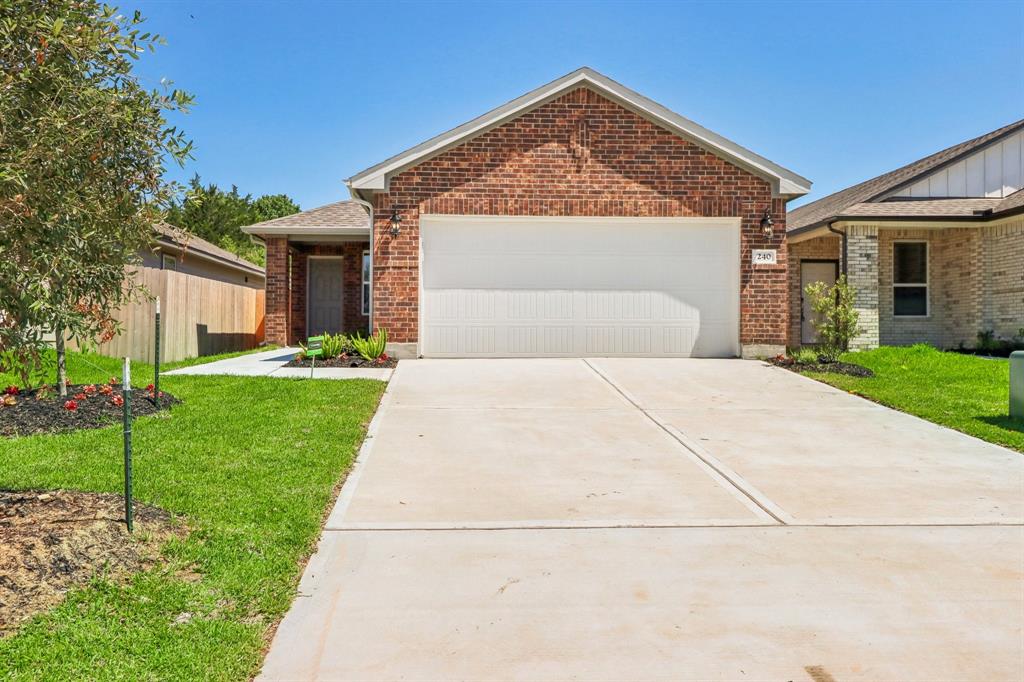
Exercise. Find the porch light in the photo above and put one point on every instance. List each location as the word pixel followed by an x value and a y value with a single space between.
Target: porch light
pixel 766 224
pixel 396 222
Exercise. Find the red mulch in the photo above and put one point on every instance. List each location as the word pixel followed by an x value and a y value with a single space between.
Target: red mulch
pixel 41 410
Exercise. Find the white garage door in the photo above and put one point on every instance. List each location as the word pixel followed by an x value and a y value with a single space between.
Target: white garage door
pixel 508 287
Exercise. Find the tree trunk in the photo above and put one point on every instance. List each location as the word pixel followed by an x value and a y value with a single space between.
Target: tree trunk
pixel 62 372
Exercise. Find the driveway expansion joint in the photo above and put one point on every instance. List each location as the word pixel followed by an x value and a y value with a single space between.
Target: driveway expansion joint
pixel 729 479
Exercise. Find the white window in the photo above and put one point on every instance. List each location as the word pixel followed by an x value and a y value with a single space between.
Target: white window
pixel 910 279
pixel 168 262
pixel 366 282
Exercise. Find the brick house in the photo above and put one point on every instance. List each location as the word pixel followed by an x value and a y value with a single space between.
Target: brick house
pixel 934 250
pixel 579 219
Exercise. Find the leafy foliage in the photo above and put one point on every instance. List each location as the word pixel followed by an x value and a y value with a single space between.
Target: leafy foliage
pixel 82 152
pixel 373 346
pixel 216 215
pixel 837 318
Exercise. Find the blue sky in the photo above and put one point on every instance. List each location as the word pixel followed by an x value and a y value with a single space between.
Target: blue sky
pixel 295 97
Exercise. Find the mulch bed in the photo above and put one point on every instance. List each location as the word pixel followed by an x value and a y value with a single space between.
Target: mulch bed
pixel 43 411
pixel 846 368
pixel 344 361
pixel 52 541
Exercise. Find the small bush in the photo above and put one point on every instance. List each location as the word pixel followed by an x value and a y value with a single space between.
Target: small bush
pixel 837 322
pixel 805 356
pixel 373 346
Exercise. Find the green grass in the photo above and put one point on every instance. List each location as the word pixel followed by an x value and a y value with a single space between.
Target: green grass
pixel 90 367
pixel 963 392
pixel 250 464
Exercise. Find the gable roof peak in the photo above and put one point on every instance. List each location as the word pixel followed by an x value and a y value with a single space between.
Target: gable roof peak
pixel 784 182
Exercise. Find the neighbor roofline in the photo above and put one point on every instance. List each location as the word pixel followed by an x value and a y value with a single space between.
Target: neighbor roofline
pixel 990 217
pixel 1012 129
pixel 241 264
pixel 784 182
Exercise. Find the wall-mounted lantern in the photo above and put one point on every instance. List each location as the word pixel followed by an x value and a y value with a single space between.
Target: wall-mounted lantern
pixel 767 224
pixel 396 223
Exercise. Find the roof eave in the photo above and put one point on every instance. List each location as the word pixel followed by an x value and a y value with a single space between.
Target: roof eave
pixel 325 230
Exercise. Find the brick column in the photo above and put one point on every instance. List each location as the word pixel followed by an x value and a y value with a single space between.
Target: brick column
pixel 862 252
pixel 277 316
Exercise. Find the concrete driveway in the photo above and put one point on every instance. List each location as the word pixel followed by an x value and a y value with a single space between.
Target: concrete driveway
pixel 659 519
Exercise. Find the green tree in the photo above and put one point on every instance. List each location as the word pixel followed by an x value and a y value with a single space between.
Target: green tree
pixel 217 215
pixel 82 152
pixel 836 320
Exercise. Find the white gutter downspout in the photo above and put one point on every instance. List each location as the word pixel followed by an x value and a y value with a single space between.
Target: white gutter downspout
pixel 362 202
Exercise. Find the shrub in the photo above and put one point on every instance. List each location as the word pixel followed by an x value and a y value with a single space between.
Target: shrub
pixel 373 346
pixel 805 356
pixel 333 345
pixel 837 319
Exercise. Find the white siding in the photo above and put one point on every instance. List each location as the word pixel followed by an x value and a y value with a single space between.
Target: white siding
pixel 994 172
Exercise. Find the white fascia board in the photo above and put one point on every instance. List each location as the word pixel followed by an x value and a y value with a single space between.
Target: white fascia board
pixel 784 182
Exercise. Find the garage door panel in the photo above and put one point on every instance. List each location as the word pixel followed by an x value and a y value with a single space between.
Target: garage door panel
pixel 607 287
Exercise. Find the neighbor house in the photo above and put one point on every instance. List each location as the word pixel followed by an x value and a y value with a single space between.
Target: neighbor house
pixel 212 301
pixel 175 249
pixel 579 219
pixel 934 250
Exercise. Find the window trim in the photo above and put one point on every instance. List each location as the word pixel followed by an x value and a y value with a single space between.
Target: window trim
pixel 365 290
pixel 164 257
pixel 926 284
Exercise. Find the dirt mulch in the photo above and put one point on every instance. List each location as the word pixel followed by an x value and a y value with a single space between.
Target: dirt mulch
pixel 846 368
pixel 43 411
pixel 52 541
pixel 344 361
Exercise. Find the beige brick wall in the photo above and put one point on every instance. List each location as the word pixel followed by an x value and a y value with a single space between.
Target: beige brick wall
pixel 954 288
pixel 820 248
pixel 975 283
pixel 1003 285
pixel 862 272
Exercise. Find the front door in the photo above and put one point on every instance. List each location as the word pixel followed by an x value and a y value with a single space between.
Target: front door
pixel 323 308
pixel 813 271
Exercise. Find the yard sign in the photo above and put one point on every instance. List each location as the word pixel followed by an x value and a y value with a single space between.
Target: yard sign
pixel 314 349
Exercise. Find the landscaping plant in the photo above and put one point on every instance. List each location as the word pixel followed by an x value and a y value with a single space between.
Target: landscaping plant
pixel 372 347
pixel 837 319
pixel 82 151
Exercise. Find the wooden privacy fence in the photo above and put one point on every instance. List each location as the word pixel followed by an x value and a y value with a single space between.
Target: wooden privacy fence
pixel 198 316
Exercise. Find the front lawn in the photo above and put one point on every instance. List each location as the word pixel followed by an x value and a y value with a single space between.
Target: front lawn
pixel 963 392
pixel 250 464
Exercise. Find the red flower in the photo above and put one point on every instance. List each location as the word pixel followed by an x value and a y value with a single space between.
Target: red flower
pixel 11 390
pixel 117 400
pixel 106 390
pixel 71 405
pixel 113 381
pixel 80 396
pixel 90 389
pixel 149 387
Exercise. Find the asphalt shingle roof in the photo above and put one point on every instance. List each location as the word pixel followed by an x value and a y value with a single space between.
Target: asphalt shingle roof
pixel 187 241
pixel 839 203
pixel 338 214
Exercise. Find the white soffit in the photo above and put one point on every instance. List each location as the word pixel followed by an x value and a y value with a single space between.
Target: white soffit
pixel 784 182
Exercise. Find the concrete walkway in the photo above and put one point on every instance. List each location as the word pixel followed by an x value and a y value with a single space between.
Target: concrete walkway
pixel 659 519
pixel 272 363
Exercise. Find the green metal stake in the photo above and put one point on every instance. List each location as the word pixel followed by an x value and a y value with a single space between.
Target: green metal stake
pixel 156 363
pixel 1017 384
pixel 126 393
